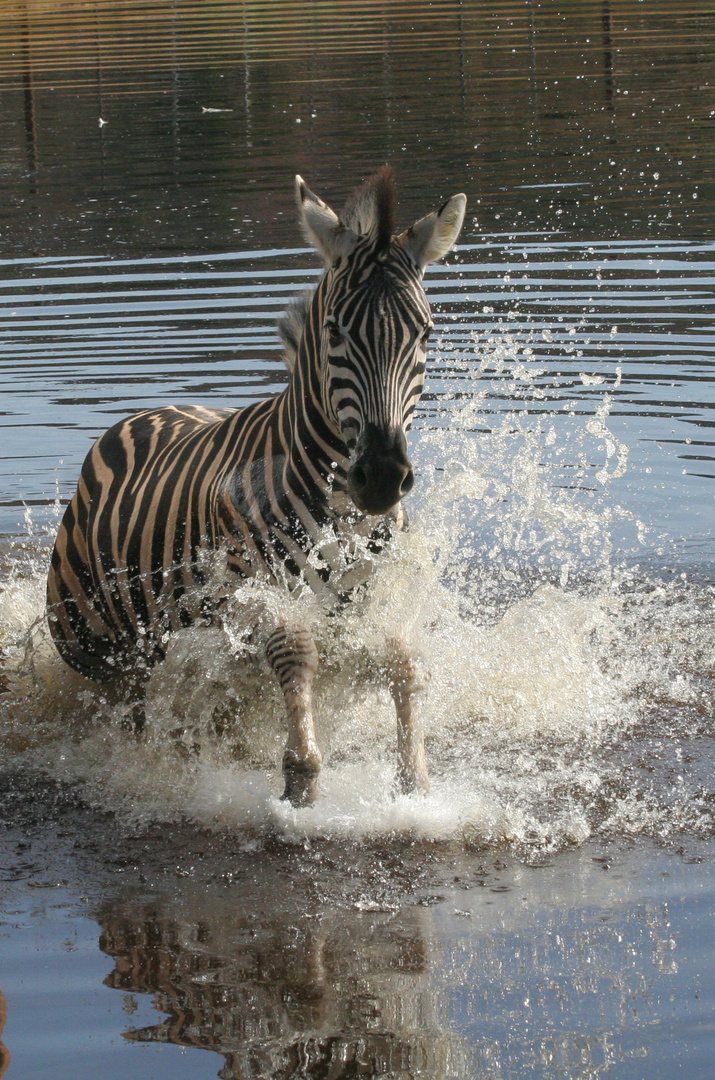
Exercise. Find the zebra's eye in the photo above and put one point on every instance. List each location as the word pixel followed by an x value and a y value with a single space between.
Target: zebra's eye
pixel 335 337
pixel 425 336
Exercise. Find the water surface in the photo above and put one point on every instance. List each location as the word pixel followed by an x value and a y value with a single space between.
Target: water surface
pixel 546 910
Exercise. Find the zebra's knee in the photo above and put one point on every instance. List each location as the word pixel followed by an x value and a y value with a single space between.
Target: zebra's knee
pixel 407 675
pixel 292 654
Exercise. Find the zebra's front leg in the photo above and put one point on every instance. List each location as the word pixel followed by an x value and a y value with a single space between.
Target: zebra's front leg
pixel 293 656
pixel 407 681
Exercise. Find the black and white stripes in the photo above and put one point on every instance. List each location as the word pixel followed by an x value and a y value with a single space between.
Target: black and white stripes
pixel 164 489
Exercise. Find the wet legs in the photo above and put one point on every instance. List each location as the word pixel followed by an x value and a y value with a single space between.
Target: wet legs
pixel 292 654
pixel 407 682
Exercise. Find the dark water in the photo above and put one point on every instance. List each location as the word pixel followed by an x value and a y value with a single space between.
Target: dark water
pixel 547 912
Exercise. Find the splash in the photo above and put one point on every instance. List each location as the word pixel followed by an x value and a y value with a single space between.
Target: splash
pixel 554 671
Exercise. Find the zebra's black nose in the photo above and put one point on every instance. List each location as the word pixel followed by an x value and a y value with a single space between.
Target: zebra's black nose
pixel 381 474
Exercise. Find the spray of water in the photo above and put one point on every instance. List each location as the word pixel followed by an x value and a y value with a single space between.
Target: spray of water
pixel 558 677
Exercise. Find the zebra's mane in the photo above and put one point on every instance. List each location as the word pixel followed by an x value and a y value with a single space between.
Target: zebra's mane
pixel 290 327
pixel 370 212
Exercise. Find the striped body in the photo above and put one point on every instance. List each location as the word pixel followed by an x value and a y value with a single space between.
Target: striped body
pixel 157 494
pixel 283 487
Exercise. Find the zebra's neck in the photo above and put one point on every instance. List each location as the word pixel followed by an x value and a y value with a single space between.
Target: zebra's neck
pixel 316 449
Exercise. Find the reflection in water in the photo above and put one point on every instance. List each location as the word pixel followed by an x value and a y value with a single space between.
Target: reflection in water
pixel 607 24
pixel 325 996
pixel 4 1053
pixel 30 133
pixel 522 976
pixel 209 108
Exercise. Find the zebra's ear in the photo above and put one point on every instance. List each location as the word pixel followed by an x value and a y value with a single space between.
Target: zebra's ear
pixel 321 226
pixel 431 237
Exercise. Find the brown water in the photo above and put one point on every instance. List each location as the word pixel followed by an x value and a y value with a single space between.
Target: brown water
pixel 547 910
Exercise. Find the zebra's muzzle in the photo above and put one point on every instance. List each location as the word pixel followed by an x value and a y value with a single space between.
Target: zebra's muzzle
pixel 381 473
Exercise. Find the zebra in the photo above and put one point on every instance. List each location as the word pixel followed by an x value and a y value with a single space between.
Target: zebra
pixel 265 484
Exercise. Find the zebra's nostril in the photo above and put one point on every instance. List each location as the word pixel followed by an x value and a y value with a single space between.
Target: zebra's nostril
pixel 358 476
pixel 408 482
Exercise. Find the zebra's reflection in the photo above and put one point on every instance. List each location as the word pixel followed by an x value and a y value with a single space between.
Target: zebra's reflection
pixel 333 995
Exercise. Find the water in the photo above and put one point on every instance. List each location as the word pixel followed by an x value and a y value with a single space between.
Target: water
pixel 543 911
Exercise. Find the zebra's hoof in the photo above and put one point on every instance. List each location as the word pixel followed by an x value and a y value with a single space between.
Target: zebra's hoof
pixel 301 781
pixel 412 783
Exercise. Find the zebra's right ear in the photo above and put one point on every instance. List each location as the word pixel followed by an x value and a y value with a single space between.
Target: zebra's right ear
pixel 321 226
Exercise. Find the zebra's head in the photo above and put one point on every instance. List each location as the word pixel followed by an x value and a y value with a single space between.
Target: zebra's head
pixel 371 320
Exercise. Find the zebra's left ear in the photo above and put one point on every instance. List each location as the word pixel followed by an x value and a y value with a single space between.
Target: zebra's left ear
pixel 321 225
pixel 431 237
